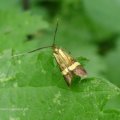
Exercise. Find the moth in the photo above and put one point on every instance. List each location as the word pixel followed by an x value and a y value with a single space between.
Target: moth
pixel 68 65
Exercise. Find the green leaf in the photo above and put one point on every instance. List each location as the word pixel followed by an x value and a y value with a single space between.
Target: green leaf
pixel 86 102
pixel 113 104
pixel 38 91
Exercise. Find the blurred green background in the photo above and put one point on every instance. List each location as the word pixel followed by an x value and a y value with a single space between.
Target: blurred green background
pixel 87 28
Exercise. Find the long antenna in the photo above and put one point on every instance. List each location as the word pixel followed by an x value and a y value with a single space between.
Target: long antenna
pixel 55 33
pixel 31 51
pixel 39 49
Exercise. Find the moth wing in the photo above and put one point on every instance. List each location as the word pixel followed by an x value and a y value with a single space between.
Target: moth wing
pixel 68 75
pixel 68 65
pixel 63 62
pixel 80 71
pixel 68 78
pixel 68 59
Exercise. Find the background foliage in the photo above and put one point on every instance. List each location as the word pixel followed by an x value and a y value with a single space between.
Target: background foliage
pixel 32 87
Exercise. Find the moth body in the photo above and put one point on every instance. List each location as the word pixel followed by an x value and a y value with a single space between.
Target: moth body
pixel 68 65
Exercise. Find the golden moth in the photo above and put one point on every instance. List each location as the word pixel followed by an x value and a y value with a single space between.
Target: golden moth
pixel 67 64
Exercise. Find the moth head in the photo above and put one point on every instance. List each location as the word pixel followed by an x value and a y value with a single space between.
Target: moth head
pixel 56 50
